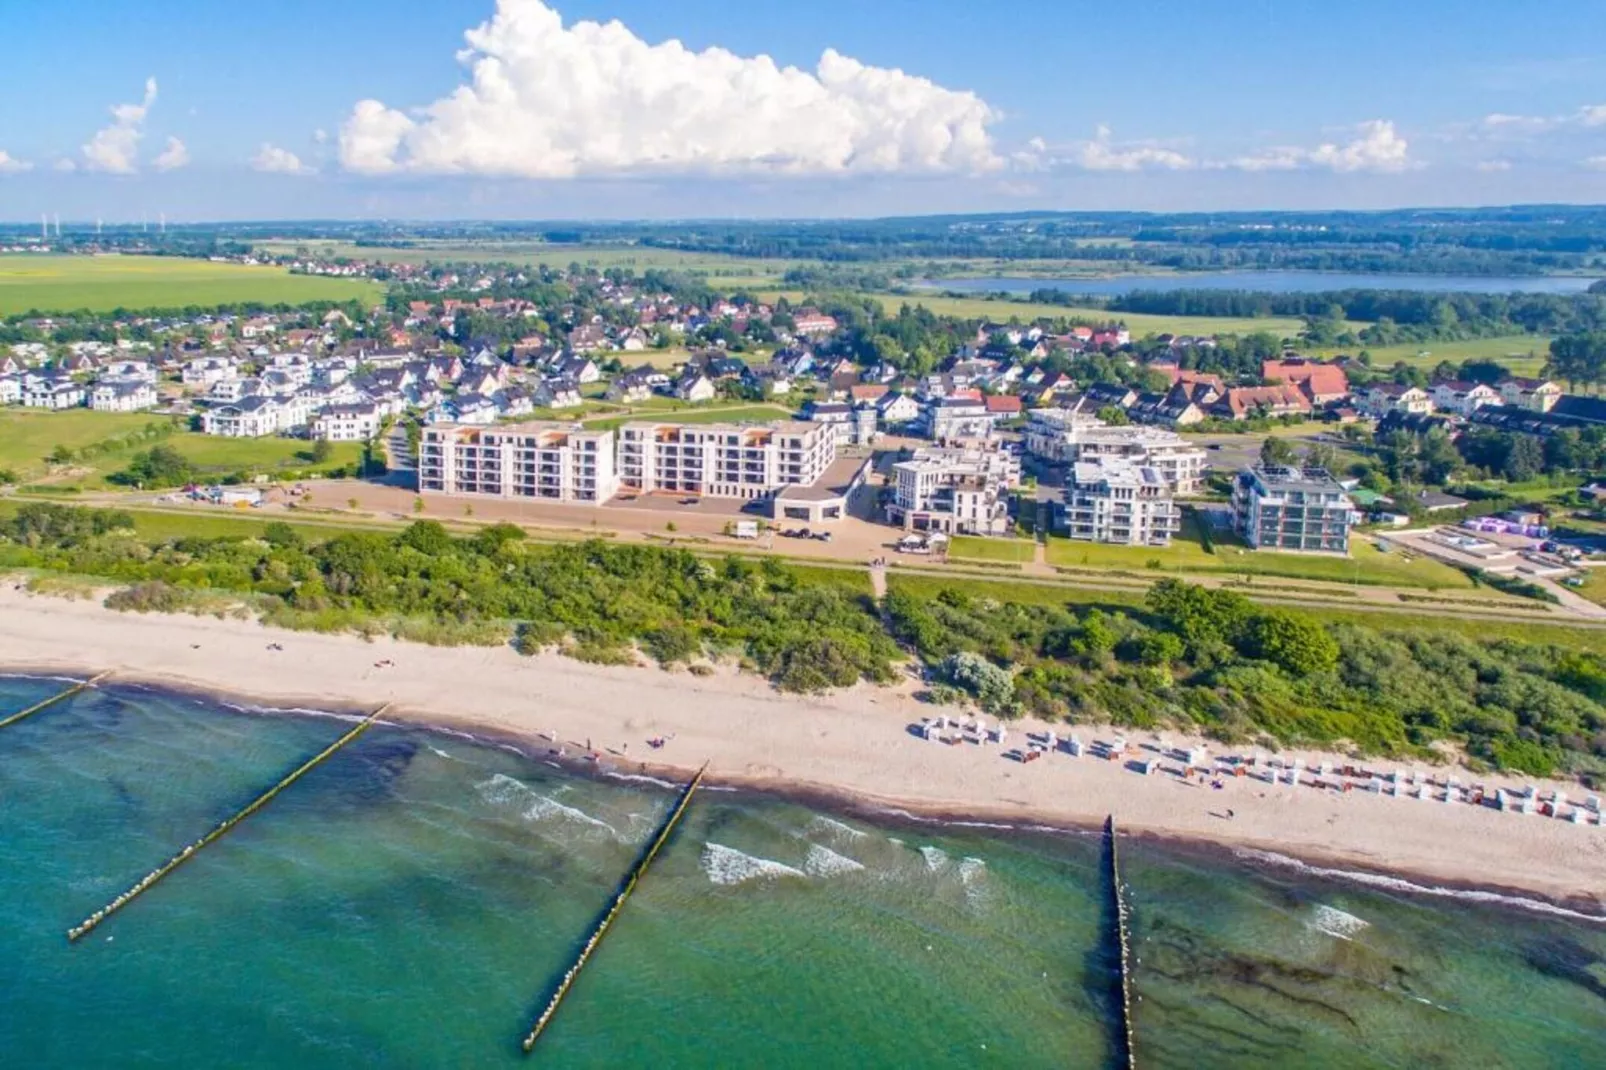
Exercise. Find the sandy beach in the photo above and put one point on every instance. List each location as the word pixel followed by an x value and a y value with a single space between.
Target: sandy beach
pixel 854 744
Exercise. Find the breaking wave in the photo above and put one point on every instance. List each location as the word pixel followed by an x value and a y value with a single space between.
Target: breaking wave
pixel 503 790
pixel 728 866
pixel 824 862
pixel 1335 922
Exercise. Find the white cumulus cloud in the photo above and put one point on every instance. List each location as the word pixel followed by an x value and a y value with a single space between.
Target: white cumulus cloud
pixel 278 161
pixel 1377 146
pixel 113 148
pixel 1596 163
pixel 1103 153
pixel 549 101
pixel 1592 115
pixel 10 165
pixel 1493 165
pixel 174 156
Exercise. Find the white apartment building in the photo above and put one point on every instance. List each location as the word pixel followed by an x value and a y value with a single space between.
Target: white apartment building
pixel 10 390
pixel 948 418
pixel 535 459
pixel 354 422
pixel 46 393
pixel 205 371
pixel 1062 436
pixel 122 395
pixel 256 416
pixel 961 490
pixel 724 460
pixel 1287 508
pixel 1117 501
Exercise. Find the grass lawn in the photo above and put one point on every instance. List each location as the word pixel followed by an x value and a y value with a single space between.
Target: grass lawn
pixel 1366 563
pixel 104 283
pixel 699 415
pixel 926 585
pixel 28 435
pixel 984 549
pixel 1524 354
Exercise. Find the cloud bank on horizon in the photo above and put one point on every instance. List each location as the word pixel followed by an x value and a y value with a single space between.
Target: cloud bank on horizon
pixel 549 101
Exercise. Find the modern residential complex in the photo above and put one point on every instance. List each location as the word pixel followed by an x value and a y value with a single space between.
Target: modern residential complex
pixel 960 490
pixel 537 459
pixel 1278 508
pixel 1063 436
pixel 1114 500
pixel 724 460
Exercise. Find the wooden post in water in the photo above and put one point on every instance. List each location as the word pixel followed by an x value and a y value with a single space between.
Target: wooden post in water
pixel 53 699
pixel 620 898
pixel 1124 937
pixel 88 925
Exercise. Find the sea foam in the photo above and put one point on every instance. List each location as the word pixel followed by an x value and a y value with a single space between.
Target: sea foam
pixel 824 862
pixel 503 790
pixel 1397 884
pixel 728 866
pixel 1335 922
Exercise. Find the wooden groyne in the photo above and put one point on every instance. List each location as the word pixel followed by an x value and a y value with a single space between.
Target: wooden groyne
pixel 88 925
pixel 621 897
pixel 53 699
pixel 1128 1055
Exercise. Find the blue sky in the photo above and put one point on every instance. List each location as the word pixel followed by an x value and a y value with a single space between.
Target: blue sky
pixel 359 109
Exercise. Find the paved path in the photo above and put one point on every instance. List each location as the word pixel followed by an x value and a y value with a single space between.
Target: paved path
pixel 878 581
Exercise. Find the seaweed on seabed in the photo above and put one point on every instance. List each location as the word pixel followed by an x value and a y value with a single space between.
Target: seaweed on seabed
pixel 367 773
pixel 1568 960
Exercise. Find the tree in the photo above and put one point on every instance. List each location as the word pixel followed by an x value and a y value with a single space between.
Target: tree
pixel 321 450
pixel 1320 455
pixel 992 687
pixel 1114 415
pixel 1296 643
pixel 1276 452
pixel 1525 460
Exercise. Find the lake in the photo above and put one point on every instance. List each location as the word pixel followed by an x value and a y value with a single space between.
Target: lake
pixel 1271 282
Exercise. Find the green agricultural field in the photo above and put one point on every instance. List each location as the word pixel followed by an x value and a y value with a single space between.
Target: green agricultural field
pixel 1139 324
pixel 976 548
pixel 1186 554
pixel 104 283
pixel 1524 354
pixel 740 270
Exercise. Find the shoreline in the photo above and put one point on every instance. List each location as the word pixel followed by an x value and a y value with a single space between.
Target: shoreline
pixel 886 811
pixel 850 751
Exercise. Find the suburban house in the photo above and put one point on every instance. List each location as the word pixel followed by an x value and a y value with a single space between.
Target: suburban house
pixel 1539 395
pixel 122 395
pixel 1250 402
pixel 1464 398
pixel 48 392
pixel 205 371
pixel 1322 383
pixel 696 387
pixel 897 408
pixel 253 417
pixel 1380 399
pixel 347 423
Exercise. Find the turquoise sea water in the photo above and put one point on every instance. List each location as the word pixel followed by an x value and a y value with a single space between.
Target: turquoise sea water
pixel 411 902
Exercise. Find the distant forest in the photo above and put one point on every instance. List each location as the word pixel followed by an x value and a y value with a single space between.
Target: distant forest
pixel 1521 240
